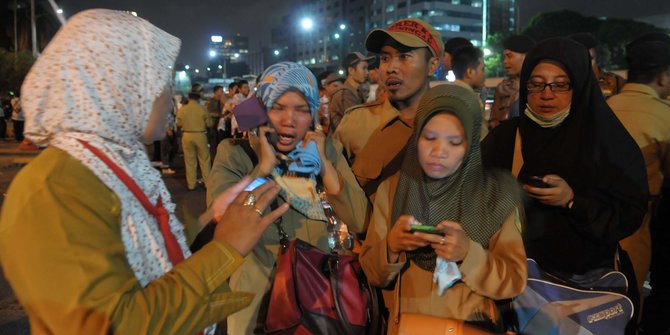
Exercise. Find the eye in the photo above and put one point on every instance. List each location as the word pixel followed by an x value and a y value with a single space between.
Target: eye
pixel 561 84
pixel 456 141
pixel 385 58
pixel 405 56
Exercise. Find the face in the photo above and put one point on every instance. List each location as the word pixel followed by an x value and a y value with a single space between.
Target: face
pixel 244 89
pixel 447 61
pixel 374 75
pixel 547 102
pixel 513 62
pixel 218 93
pixel 442 146
pixel 406 74
pixel 478 75
pixel 359 73
pixel 332 87
pixel 233 90
pixel 157 125
pixel 292 118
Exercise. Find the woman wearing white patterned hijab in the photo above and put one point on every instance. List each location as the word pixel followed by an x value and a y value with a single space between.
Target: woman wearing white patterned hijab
pixel 100 88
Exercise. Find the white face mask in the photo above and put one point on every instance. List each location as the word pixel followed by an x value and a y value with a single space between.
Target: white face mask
pixel 545 122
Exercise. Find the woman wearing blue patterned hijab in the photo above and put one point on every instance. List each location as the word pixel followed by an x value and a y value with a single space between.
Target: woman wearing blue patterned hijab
pixel 289 95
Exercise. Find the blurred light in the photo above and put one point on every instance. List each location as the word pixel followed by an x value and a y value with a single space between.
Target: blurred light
pixel 343 26
pixel 170 67
pixel 182 74
pixel 313 61
pixel 276 52
pixel 220 67
pixel 236 55
pixel 208 69
pixel 340 72
pixel 212 53
pixel 187 67
pixel 307 23
pixel 197 71
pixel 216 38
pixel 59 11
pixel 133 13
pixel 487 52
pixel 337 36
pixel 451 77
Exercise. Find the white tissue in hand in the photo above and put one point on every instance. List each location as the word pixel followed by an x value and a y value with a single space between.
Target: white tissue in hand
pixel 445 275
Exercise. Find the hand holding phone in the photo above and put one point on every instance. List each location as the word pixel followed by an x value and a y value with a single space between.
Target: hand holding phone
pixel 536 181
pixel 426 229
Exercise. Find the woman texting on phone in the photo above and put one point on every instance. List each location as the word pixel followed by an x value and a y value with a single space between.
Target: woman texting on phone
pixel 299 158
pixel 442 183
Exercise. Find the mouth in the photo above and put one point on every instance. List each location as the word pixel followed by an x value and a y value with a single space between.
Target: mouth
pixel 393 84
pixel 285 139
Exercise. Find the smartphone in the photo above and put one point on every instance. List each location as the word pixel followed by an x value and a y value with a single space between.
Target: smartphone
pixel 272 138
pixel 250 114
pixel 256 183
pixel 425 229
pixel 536 181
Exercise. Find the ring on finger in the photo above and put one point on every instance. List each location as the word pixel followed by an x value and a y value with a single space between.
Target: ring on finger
pixel 258 210
pixel 250 200
pixel 442 241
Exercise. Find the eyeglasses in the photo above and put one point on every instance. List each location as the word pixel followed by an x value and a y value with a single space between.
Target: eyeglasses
pixel 535 87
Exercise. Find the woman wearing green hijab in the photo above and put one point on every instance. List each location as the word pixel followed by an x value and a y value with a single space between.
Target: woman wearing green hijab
pixel 478 256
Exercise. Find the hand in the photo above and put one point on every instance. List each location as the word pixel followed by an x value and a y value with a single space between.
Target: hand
pixel 169 132
pixel 559 193
pixel 264 151
pixel 400 238
pixel 455 244
pixel 241 226
pixel 319 137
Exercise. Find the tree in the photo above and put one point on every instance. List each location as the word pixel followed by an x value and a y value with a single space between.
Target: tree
pixel 493 62
pixel 13 69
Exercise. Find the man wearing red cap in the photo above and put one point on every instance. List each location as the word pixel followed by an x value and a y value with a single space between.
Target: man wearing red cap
pixel 374 135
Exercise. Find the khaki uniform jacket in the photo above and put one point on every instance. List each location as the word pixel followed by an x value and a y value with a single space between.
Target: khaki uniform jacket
pixel 230 165
pixel 61 250
pixel 193 118
pixel 342 99
pixel 497 273
pixel 506 94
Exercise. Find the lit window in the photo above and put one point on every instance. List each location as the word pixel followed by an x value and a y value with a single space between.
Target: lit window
pixel 390 8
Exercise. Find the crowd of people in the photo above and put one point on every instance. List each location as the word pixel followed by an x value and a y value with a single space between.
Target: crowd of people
pixel 570 169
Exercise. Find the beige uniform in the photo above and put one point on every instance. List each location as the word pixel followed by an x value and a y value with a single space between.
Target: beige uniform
pixel 194 120
pixel 498 272
pixel 647 118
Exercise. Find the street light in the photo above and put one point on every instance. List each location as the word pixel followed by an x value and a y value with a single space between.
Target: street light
pixel 212 53
pixel 343 26
pixel 276 52
pixel 487 52
pixel 187 67
pixel 307 23
pixel 220 67
pixel 208 69
pixel 337 36
pixel 59 11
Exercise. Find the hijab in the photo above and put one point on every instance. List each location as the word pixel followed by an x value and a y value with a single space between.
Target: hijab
pixel 591 128
pixel 297 178
pixel 479 200
pixel 590 149
pixel 96 82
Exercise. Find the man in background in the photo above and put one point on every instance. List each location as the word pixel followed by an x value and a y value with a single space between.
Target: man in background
pixel 347 96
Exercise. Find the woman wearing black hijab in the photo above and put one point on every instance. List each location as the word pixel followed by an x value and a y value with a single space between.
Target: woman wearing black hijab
pixel 595 190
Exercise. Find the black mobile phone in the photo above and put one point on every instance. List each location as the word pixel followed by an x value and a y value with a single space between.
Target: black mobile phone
pixel 536 181
pixel 425 229
pixel 272 138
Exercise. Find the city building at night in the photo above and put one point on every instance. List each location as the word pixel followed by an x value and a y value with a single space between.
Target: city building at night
pixel 228 54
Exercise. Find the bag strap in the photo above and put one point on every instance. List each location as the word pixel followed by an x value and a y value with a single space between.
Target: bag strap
pixel 517 161
pixel 175 254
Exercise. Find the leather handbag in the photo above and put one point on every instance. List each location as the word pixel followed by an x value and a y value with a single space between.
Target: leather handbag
pixel 314 292
pixel 421 324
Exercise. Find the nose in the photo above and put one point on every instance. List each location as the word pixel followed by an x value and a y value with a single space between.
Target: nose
pixel 287 117
pixel 547 93
pixel 439 149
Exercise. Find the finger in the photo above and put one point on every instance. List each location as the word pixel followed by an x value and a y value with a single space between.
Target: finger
pixel 450 225
pixel 431 238
pixel 236 193
pixel 539 190
pixel 274 215
pixel 266 195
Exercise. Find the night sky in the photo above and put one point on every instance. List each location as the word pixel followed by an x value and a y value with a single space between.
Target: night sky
pixel 195 21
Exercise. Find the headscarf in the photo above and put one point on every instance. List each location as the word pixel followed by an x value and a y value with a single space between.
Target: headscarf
pixel 96 82
pixel 479 200
pixel 590 149
pixel 299 186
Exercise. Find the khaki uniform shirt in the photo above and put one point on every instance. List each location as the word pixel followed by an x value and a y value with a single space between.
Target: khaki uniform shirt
pixel 193 118
pixel 647 118
pixel 61 250
pixel 499 272
pixel 343 99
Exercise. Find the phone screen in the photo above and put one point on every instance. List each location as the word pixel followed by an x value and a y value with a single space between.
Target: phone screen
pixel 425 229
pixel 256 183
